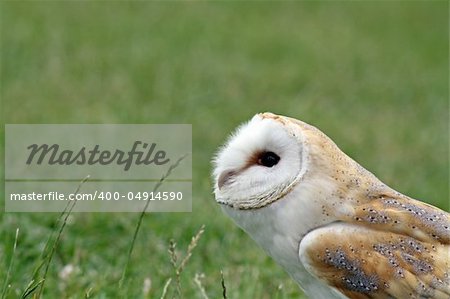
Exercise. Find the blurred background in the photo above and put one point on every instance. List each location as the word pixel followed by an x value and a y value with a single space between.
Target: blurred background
pixel 372 75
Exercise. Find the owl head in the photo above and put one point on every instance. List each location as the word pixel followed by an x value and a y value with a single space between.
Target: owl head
pixel 270 155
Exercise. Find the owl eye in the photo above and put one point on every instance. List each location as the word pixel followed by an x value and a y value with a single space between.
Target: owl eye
pixel 268 159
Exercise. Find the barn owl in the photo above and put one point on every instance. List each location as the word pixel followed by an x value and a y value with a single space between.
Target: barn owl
pixel 332 225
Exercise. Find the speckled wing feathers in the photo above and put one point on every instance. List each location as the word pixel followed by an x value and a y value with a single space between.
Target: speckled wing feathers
pixel 405 216
pixel 391 247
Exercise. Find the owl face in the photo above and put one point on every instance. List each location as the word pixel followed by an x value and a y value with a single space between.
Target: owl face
pixel 261 162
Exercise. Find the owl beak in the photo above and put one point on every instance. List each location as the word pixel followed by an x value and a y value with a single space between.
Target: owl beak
pixel 225 178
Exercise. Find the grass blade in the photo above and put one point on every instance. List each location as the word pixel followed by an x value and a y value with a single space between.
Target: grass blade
pixel 47 253
pixel 5 286
pixel 224 288
pixel 31 288
pixel 141 217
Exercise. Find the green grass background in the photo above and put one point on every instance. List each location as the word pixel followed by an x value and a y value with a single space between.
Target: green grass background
pixel 371 75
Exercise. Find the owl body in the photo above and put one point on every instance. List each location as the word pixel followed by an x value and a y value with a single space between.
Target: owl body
pixel 279 230
pixel 332 225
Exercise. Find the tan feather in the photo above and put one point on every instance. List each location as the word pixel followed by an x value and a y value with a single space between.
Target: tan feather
pixel 362 262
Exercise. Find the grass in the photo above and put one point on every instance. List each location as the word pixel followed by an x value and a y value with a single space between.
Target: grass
pixel 372 75
pixel 6 285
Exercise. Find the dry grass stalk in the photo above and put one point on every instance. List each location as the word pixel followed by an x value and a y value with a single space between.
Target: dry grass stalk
pixel 198 281
pixel 178 268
